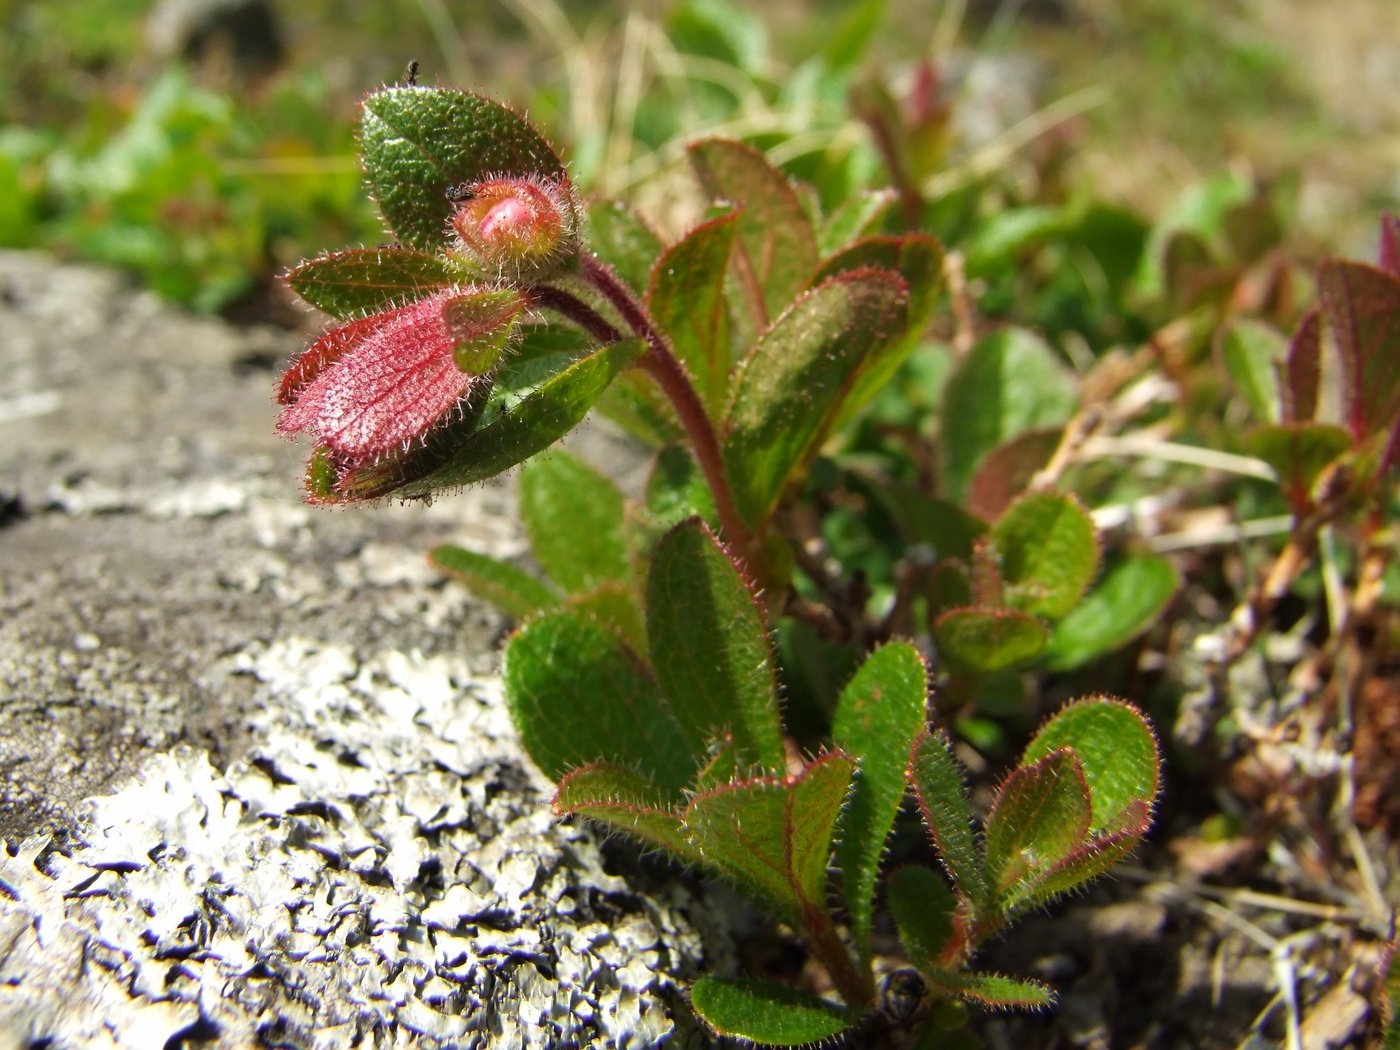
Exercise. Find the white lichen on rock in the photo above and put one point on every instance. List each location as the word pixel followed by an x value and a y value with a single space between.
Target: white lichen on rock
pixel 381 870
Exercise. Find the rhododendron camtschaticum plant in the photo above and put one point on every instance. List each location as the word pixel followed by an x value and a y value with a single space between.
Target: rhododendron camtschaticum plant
pixel 643 676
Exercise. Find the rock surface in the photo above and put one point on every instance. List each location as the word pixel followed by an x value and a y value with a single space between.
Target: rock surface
pixel 375 864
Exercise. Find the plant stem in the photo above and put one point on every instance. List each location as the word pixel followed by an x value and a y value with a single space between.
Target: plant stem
pixel 854 983
pixel 661 364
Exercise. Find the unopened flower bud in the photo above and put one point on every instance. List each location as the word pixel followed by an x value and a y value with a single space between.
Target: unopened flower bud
pixel 519 227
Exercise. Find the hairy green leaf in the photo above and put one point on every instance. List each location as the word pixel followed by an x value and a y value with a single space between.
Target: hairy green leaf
pixel 994 989
pixel 420 142
pixel 772 836
pixel 1361 307
pixel 923 909
pixel 579 695
pixel 1089 861
pixel 879 713
pixel 625 801
pixel 687 300
pixel 766 1012
pixel 982 640
pixel 617 606
pixel 1252 352
pixel 1126 602
pixel 1049 553
pixel 676 488
pixel 791 387
pixel 1118 753
pixel 573 517
pixel 1009 382
pixel 710 647
pixel 1040 815
pixel 513 589
pixel 938 784
pixel 777 249
pixel 623 240
pixel 545 415
pixel 362 281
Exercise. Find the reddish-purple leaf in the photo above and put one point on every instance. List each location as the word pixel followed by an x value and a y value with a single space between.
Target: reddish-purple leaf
pixel 1301 373
pixel 1361 305
pixel 1005 471
pixel 1390 244
pixel 325 351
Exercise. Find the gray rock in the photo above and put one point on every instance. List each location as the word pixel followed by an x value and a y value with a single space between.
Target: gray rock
pixel 314 825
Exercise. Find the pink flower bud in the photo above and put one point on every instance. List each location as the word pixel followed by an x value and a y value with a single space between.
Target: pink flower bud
pixel 520 227
pixel 376 385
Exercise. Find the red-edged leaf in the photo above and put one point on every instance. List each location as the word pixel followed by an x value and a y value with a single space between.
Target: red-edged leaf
pixel 1302 371
pixel 938 783
pixel 993 989
pixel 324 352
pixel 1298 452
pixel 1361 306
pixel 772 836
pixel 625 801
pixel 1089 861
pixel 1041 814
pixel 981 641
pixel 361 281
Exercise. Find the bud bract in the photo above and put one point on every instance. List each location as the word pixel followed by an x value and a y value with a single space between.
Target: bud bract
pixel 520 227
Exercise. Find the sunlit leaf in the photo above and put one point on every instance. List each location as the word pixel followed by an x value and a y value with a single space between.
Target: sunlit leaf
pixel 625 801
pixel 877 717
pixel 1048 552
pixel 777 249
pixel 540 419
pixel 420 142
pixel 1126 602
pixel 791 387
pixel 687 301
pixel 578 695
pixel 859 215
pixel 710 646
pixel 1117 752
pixel 980 641
pixel 573 517
pixel 938 783
pixel 995 990
pixel 616 605
pixel 359 281
pixel 1361 307
pixel 765 1012
pixel 1040 815
pixel 1252 351
pixel 513 589
pixel 772 837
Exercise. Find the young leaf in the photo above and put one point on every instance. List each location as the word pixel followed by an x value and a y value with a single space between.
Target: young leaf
pixel 938 784
pixel 1005 471
pixel 1117 752
pixel 361 281
pixel 792 385
pixel 880 712
pixel 765 1012
pixel 540 419
pixel 420 142
pixel 923 910
pixel 623 240
pixel 1125 603
pixel 578 695
pixel 980 641
pixel 1361 306
pixel 1298 452
pixel 514 590
pixel 772 836
pixel 625 801
pixel 710 647
pixel 1089 861
pixel 722 769
pixel 1010 381
pixel 777 248
pixel 573 517
pixel 1041 814
pixel 1049 553
pixel 1252 351
pixel 995 990
pixel 687 300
